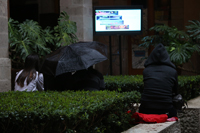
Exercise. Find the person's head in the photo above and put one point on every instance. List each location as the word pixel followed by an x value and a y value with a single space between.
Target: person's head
pixel 31 62
pixel 159 56
pixel 90 68
pixel 30 68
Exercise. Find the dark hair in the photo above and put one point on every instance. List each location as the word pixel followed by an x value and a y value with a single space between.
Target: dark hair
pixel 30 68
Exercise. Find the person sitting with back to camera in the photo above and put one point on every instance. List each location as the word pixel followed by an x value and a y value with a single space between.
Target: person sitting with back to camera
pixel 98 75
pixel 160 84
pixel 29 79
pixel 89 80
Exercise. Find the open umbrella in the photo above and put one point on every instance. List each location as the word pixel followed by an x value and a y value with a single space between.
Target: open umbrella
pixel 74 57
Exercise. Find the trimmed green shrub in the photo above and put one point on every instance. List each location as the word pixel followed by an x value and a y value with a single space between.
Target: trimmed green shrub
pixel 124 83
pixel 188 85
pixel 68 111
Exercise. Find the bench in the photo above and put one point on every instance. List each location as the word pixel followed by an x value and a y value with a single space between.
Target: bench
pixel 189 122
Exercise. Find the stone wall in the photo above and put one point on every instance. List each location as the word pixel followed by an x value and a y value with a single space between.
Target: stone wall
pixel 189 122
pixel 167 127
pixel 5 63
pixel 3 29
pixel 80 11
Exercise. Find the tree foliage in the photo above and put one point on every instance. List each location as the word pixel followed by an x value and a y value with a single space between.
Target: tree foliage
pixel 29 37
pixel 65 31
pixel 179 44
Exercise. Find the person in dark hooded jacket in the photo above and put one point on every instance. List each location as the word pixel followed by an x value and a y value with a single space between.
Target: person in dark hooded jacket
pixel 160 83
pixel 89 80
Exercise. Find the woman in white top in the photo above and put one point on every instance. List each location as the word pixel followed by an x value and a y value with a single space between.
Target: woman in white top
pixel 29 79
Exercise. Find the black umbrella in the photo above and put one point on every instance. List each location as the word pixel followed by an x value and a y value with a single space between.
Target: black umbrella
pixel 74 57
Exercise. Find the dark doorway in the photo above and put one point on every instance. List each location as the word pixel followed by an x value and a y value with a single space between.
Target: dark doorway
pixel 21 10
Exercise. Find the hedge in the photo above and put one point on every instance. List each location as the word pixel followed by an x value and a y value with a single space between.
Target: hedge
pixel 188 86
pixel 81 111
pixel 124 83
pixel 68 111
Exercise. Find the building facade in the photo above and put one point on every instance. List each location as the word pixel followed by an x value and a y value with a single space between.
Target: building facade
pixel 173 13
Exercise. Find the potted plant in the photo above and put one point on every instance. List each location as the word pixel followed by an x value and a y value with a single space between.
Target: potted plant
pixel 65 31
pixel 179 44
pixel 29 37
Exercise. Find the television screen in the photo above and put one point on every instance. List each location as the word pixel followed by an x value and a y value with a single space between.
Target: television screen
pixel 113 20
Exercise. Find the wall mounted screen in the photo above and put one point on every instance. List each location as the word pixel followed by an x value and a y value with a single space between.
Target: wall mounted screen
pixel 112 20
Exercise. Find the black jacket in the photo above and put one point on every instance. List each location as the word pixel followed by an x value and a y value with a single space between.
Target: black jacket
pixel 89 79
pixel 160 80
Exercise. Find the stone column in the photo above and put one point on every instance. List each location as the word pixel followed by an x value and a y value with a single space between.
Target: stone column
pixel 80 11
pixel 5 63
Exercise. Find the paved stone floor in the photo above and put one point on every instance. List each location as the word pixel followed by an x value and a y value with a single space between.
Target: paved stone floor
pixel 194 103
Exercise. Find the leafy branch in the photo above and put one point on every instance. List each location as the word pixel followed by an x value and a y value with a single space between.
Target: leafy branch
pixel 179 44
pixel 65 31
pixel 29 37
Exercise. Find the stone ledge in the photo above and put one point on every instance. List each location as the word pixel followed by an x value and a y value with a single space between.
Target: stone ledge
pixel 167 127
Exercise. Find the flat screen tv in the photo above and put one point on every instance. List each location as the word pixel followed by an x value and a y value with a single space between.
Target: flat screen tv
pixel 117 20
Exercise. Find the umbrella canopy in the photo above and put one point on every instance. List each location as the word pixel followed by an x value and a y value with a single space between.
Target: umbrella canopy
pixel 74 57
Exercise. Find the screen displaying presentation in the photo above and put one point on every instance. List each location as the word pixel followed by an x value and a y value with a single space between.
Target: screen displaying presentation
pixel 117 20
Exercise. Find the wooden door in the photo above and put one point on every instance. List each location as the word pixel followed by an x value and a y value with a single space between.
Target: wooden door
pixel 135 54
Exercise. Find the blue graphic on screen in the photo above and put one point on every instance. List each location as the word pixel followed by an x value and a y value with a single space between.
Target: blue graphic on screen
pixel 118 20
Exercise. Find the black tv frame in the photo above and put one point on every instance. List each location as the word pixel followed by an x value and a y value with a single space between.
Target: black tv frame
pixel 117 8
